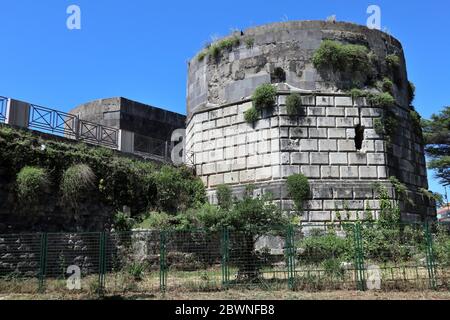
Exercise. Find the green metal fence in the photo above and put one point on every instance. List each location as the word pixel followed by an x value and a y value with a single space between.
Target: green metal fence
pixel 352 256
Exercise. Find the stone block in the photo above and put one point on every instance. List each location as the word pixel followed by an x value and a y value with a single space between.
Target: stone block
pixel 349 172
pixel 335 112
pixel 337 133
pixel 326 122
pixel 343 192
pixel 247 176
pixel 363 193
pixel 366 172
pixel 327 145
pixel 254 161
pixel 239 164
pixel 209 168
pixel 316 111
pixel 376 159
pixel 322 192
pixel 216 180
pixel 329 172
pixel 290 145
pixel 317 133
pixel 382 173
pixel 319 216
pixel 214 114
pixel 338 158
pixel 324 101
pixel 314 205
pixel 345 122
pixel 346 145
pixel 351 112
pixel 309 145
pixel 307 122
pixel 311 171
pixel 231 178
pixel 287 171
pixel 223 166
pixel 263 173
pixel 343 101
pixel 299 158
pixel 319 158
pixel 216 155
pixel 357 158
pixel 298 132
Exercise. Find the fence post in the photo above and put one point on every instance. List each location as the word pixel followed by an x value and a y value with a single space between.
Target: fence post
pixel 290 256
pixel 42 261
pixel 102 264
pixel 431 267
pixel 163 262
pixel 225 256
pixel 359 257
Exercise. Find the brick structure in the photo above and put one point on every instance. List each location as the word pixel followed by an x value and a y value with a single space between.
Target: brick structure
pixel 319 142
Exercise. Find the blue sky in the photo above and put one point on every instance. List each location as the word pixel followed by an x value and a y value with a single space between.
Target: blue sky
pixel 139 48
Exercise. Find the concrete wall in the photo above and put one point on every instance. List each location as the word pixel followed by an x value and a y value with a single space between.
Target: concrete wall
pixel 132 116
pixel 289 46
pixel 318 143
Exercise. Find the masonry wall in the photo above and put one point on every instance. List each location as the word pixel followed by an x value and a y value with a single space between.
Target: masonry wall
pixel 320 143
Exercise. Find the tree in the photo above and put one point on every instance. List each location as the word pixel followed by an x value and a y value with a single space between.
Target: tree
pixel 248 219
pixel 437 140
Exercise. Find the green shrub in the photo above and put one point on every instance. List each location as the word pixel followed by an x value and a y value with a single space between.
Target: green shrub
pixel 342 57
pixel 216 49
pixel 298 188
pixel 155 221
pixel 293 104
pixel 137 270
pixel 201 56
pixel 358 93
pixel 393 61
pixel 224 197
pixel 401 190
pixel 433 196
pixel 122 181
pixel 387 86
pixel 122 222
pixel 32 182
pixel 416 123
pixel 178 183
pixel 264 97
pixel 319 248
pixel 251 115
pixel 77 181
pixel 249 42
pixel 387 126
pixel 411 92
pixel 384 99
pixel 211 217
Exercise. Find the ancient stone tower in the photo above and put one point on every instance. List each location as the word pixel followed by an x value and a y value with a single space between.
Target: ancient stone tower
pixel 333 140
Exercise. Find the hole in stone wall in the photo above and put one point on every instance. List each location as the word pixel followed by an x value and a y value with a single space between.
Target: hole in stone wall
pixel 278 75
pixel 359 137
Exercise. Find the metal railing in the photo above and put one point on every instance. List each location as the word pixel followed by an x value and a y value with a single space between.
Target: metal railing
pixel 151 147
pixel 3 105
pixel 53 121
pixel 352 256
pixel 98 134
pixel 71 126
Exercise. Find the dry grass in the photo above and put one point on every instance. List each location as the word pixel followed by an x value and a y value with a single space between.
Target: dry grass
pixel 247 295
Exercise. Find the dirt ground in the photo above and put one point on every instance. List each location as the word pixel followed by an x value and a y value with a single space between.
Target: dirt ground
pixel 248 295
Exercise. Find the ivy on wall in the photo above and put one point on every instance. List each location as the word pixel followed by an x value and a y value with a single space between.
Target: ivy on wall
pixel 75 170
